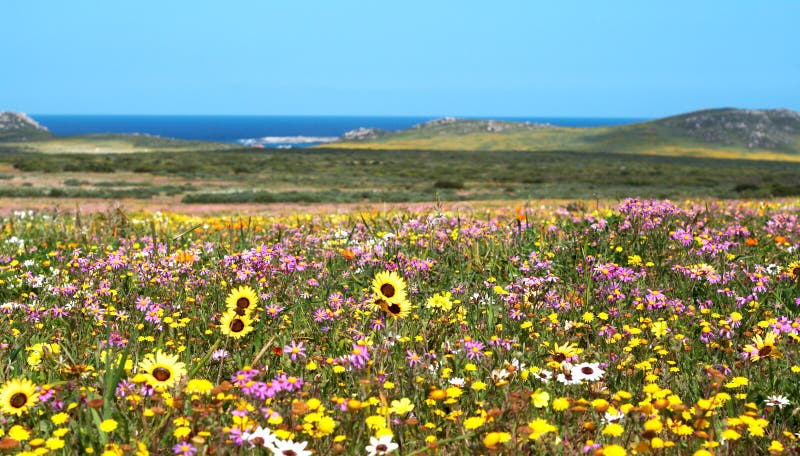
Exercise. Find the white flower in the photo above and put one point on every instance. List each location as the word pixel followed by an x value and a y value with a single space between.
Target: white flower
pixel 219 354
pixel 543 375
pixel 612 415
pixel 288 447
pixel 380 446
pixel 260 437
pixel 500 375
pixel 776 400
pixel 587 371
pixel 457 381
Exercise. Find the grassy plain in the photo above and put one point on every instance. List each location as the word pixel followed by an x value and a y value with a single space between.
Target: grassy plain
pixel 263 176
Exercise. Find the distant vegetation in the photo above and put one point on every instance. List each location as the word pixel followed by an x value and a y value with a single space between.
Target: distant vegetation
pixel 718 133
pixel 342 175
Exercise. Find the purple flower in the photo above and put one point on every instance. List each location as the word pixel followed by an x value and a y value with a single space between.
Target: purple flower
pixel 359 356
pixel 295 349
pixel 412 357
pixel 184 449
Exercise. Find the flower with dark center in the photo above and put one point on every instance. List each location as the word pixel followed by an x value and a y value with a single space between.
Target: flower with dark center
pixel 17 395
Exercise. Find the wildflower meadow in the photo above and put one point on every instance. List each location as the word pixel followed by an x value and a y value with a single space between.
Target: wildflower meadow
pixel 649 327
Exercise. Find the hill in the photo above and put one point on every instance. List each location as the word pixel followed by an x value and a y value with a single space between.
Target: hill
pixel 716 133
pixel 20 133
pixel 15 126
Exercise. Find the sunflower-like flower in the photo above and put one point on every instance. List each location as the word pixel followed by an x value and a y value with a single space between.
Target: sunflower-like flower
pixel 234 325
pixel 395 309
pixel 162 370
pixel 794 269
pixel 242 300
pixel 561 353
pixel 762 347
pixel 389 286
pixel 16 396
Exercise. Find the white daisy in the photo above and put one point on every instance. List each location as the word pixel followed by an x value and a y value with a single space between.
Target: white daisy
pixel 260 437
pixel 566 376
pixel 500 375
pixel 380 446
pixel 289 448
pixel 457 381
pixel 590 372
pixel 543 375
pixel 776 400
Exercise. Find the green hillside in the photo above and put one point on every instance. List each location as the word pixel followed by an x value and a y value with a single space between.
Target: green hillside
pixel 717 133
pixel 16 126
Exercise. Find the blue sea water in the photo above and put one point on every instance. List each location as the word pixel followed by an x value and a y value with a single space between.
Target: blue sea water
pixel 267 131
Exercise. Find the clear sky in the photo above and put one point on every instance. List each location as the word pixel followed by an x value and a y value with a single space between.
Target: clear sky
pixel 611 58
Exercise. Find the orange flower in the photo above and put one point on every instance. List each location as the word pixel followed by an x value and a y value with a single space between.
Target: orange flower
pixel 751 242
pixel 779 239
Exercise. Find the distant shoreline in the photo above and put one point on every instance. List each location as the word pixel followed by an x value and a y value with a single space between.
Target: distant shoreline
pixel 266 131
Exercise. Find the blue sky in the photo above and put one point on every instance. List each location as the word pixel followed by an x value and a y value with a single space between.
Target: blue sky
pixel 342 57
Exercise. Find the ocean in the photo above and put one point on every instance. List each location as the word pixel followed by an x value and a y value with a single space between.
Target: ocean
pixel 266 131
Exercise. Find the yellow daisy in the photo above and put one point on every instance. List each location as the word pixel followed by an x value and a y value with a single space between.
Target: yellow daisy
pixel 389 286
pixel 17 395
pixel 794 269
pixel 199 386
pixel 242 300
pixel 762 347
pixel 561 353
pixel 162 370
pixel 235 325
pixel 395 309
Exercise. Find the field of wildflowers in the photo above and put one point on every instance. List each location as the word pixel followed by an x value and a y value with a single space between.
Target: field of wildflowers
pixel 650 328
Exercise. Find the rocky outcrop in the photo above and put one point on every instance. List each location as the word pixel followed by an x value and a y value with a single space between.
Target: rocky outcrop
pixel 19 127
pixel 363 134
pixel 754 129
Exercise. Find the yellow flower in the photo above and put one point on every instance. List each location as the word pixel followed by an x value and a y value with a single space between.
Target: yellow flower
pixel 59 418
pixel 653 425
pixel 108 425
pixel 242 300
pixel 54 443
pixel 234 325
pixel 440 301
pixel 389 286
pixel 540 427
pixel 181 432
pixel 560 353
pixel 614 450
pixel 492 439
pixel 540 399
pixel 736 382
pixel 163 371
pixel 396 309
pixel 453 392
pixel 775 447
pixel 19 433
pixel 613 429
pixel 474 422
pixel 402 406
pixel 199 386
pixel 560 404
pixel 659 328
pixel 16 396
pixel 762 348
pixel 478 385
